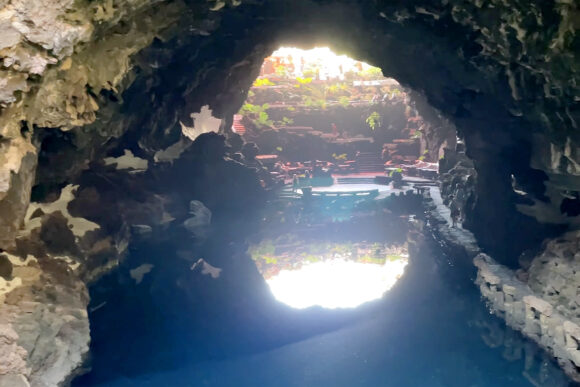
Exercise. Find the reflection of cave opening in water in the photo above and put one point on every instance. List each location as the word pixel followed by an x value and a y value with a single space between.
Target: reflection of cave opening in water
pixel 303 273
pixel 335 283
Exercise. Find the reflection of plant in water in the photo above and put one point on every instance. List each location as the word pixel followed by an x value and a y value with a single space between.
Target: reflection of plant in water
pixel 265 248
pixel 288 251
pixel 270 260
pixel 373 260
pixel 313 258
pixel 395 171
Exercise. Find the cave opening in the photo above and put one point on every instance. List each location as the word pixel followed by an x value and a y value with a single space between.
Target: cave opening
pixel 312 234
pixel 336 128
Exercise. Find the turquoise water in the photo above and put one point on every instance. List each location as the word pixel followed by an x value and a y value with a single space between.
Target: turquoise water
pixel 431 329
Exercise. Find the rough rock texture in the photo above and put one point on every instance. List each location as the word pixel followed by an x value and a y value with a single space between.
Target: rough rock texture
pixel 458 184
pixel 526 311
pixel 555 274
pixel 44 82
pixel 82 82
pixel 44 325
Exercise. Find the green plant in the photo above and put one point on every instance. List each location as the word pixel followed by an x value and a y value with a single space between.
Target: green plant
pixel 373 120
pixel 304 81
pixel 280 71
pixel 396 92
pixel 311 102
pixel 344 101
pixel 339 157
pixel 393 257
pixel 393 172
pixel 371 73
pixel 257 113
pixel 264 119
pixel 265 250
pixel 263 82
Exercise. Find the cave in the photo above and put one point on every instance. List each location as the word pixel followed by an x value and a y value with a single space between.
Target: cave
pixel 153 181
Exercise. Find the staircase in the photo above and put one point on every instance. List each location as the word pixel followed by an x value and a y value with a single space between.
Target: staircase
pixel 237 126
pixel 370 162
pixel 287 193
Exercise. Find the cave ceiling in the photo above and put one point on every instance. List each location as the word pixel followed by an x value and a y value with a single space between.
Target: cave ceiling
pixel 103 76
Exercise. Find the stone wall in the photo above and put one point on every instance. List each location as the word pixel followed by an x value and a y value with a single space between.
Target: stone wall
pixel 555 274
pixel 525 311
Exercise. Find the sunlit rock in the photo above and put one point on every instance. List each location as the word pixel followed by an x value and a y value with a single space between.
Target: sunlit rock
pixel 554 274
pixel 128 161
pixel 78 226
pixel 203 122
pixel 17 165
pixel 139 272
pixel 206 269
pixel 174 151
pixel 201 219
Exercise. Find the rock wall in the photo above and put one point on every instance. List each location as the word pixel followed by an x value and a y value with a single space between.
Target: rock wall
pixel 528 312
pixel 44 325
pixel 555 274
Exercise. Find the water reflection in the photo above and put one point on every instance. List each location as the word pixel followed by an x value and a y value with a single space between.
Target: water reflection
pixel 431 329
pixel 335 283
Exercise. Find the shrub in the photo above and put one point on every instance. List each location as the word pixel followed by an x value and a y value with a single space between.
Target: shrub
pixel 374 120
pixel 263 82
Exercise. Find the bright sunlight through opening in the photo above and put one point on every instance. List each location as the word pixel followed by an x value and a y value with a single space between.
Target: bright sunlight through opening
pixel 335 283
pixel 328 64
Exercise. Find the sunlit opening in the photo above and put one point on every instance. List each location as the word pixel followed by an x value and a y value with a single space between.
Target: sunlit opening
pixel 321 60
pixel 335 283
